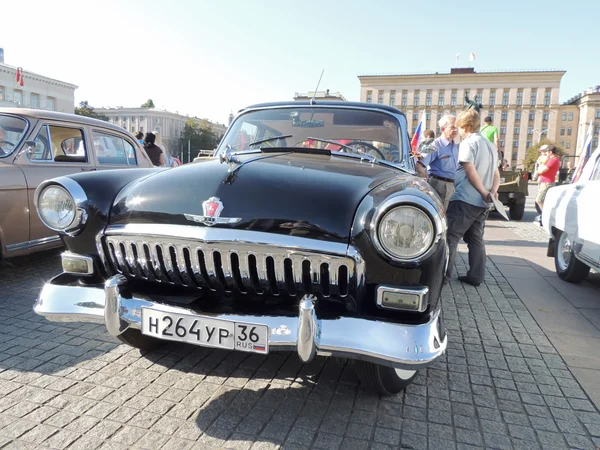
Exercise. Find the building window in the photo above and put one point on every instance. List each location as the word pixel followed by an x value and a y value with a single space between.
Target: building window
pixel 564 116
pixel 453 100
pixel 568 144
pixel 50 104
pixel 416 99
pixel 505 98
pixel 529 131
pixel 596 129
pixel 157 129
pixel 517 130
pixel 404 99
pixel 562 143
pixel 380 97
pixel 2 94
pixel 34 100
pixel 441 98
pixel 18 97
pixel 428 99
pixel 595 143
pixel 529 143
pixel 517 116
pixel 504 115
pixel 414 129
pixel 492 98
pixel 479 95
pixel 515 143
pixel 501 143
pixel 562 131
pixel 533 98
pixel 519 98
pixel 531 116
pixel 570 116
pixel 547 98
pixel 569 131
pixel 545 117
pixel 392 98
pixel 415 116
pixel 491 114
pixel 439 117
pixel 369 96
pixel 597 113
pixel 503 130
pixel 428 116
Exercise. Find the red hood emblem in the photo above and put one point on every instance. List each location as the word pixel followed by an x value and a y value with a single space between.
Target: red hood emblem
pixel 212 209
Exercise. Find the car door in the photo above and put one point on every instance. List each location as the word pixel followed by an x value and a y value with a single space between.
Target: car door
pixel 61 148
pixel 113 150
pixel 588 217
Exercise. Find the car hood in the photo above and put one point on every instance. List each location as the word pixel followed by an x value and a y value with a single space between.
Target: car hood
pixel 297 194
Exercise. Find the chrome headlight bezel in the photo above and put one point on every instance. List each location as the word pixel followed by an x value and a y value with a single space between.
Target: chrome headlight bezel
pixel 437 218
pixel 77 194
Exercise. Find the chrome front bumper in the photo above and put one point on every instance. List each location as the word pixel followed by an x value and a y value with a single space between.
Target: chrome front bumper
pixel 408 347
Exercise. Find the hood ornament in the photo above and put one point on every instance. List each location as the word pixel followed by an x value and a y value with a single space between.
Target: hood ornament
pixel 230 158
pixel 212 209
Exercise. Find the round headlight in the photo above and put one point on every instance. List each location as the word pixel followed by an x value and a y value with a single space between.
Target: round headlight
pixel 57 208
pixel 406 232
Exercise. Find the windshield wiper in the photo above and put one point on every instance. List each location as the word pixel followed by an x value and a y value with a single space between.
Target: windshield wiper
pixel 331 141
pixel 260 141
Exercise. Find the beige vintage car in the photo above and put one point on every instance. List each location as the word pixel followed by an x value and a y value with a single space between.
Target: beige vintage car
pixel 36 145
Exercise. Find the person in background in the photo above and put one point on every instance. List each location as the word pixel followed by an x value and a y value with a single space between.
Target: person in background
pixel 426 146
pixel 443 162
pixel 140 137
pixel 154 152
pixel 477 181
pixel 546 171
pixel 489 131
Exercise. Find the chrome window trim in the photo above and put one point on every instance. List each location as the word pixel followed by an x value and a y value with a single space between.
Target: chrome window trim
pixel 421 292
pixel 26 132
pixel 79 197
pixel 439 225
pixel 89 261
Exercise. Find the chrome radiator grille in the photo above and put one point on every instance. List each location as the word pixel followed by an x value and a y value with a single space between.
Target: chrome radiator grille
pixel 230 264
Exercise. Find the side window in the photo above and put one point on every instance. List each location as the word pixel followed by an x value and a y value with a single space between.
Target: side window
pixel 59 144
pixel 113 150
pixel 596 174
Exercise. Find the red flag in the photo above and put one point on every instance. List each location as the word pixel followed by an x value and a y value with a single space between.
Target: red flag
pixel 19 76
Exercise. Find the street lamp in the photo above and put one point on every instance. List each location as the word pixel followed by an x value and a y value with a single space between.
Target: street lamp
pixel 544 131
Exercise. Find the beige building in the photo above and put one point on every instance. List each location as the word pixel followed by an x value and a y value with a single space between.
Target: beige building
pixel 320 95
pixel 524 105
pixel 568 128
pixel 587 105
pixel 167 124
pixel 37 92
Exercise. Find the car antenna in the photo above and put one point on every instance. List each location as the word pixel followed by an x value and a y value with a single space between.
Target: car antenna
pixel 312 100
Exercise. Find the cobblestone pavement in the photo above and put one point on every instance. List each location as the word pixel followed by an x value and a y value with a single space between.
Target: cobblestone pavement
pixel 500 385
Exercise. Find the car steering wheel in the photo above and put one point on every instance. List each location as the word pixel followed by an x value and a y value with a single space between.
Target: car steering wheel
pixel 366 148
pixel 2 141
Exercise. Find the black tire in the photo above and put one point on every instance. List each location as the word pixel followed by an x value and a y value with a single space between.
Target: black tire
pixel 516 211
pixel 135 338
pixel 568 267
pixel 382 379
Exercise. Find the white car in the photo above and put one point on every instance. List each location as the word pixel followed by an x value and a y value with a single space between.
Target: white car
pixel 571 216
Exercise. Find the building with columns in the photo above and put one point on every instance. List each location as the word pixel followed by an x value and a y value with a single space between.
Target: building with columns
pixel 586 106
pixel 524 105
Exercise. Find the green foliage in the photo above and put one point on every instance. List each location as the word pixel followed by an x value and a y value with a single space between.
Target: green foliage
pixel 84 109
pixel 533 153
pixel 149 104
pixel 200 135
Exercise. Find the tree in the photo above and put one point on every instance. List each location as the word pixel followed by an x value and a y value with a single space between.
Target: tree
pixel 84 109
pixel 533 153
pixel 199 136
pixel 149 104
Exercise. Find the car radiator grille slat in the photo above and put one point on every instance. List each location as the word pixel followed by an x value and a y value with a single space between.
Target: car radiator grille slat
pixel 254 269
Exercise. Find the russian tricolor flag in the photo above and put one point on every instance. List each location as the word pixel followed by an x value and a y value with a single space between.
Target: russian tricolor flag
pixel 586 152
pixel 416 140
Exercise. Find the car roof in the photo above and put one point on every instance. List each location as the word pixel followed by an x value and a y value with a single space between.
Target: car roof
pixel 329 103
pixel 65 117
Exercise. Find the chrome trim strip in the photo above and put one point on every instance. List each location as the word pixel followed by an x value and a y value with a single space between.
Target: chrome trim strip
pixel 30 244
pixel 408 347
pixel 420 292
pixel 438 221
pixel 88 260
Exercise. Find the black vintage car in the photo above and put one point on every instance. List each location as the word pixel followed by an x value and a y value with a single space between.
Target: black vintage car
pixel 307 231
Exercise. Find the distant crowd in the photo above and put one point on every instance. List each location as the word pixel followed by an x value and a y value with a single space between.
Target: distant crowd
pixel 156 151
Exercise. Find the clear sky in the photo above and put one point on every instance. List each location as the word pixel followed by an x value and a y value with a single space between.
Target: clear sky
pixel 207 58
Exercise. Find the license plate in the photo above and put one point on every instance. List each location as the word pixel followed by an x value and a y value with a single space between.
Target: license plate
pixel 502 180
pixel 205 331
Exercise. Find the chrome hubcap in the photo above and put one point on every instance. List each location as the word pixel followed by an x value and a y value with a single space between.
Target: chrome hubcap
pixel 405 374
pixel 564 251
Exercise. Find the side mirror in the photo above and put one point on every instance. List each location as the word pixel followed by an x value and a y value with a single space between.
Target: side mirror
pixel 30 147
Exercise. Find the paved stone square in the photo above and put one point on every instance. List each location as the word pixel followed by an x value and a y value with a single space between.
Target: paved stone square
pixel 500 385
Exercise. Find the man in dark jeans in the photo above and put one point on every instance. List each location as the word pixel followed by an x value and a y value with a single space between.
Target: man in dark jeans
pixel 477 181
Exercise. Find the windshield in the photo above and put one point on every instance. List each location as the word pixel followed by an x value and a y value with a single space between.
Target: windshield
pixel 12 130
pixel 336 129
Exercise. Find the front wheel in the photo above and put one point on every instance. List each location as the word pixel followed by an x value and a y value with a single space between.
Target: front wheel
pixel 568 267
pixel 383 379
pixel 135 338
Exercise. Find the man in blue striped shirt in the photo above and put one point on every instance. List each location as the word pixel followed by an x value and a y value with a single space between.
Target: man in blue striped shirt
pixel 443 163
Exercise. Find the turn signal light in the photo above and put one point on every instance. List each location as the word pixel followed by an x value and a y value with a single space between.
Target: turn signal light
pixel 77 264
